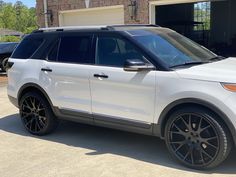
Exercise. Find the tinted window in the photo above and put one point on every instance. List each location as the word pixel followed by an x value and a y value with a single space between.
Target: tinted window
pixel 75 49
pixel 54 51
pixel 27 48
pixel 113 51
pixel 171 47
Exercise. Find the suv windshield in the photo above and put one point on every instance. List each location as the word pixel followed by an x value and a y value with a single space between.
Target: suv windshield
pixel 172 48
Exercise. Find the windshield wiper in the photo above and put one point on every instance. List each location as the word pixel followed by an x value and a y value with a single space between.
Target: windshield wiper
pixel 190 63
pixel 217 58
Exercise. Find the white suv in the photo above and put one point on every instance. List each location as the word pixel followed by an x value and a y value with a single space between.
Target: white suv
pixel 142 78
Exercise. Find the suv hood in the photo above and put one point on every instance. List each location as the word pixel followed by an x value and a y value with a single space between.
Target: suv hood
pixel 220 71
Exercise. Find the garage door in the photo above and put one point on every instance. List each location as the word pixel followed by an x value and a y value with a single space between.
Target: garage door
pixel 92 16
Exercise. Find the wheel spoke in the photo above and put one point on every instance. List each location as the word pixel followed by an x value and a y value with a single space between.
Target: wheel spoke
pixel 211 138
pixel 203 129
pixel 26 114
pixel 31 124
pixel 199 126
pixel 177 142
pixel 28 122
pixel 190 122
pixel 209 144
pixel 41 122
pixel 187 154
pixel 181 132
pixel 188 126
pixel 32 101
pixel 178 148
pixel 201 156
pixel 26 104
pixel 208 155
pixel 35 125
pixel 192 159
pixel 40 109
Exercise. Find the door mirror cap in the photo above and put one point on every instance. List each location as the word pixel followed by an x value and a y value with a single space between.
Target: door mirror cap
pixel 137 65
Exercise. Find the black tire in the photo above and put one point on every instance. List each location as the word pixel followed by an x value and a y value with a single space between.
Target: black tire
pixel 197 138
pixel 4 64
pixel 36 114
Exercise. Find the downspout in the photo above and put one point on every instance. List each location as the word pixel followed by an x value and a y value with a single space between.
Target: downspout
pixel 45 5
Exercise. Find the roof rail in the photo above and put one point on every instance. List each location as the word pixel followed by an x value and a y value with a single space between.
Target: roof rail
pixel 135 25
pixel 67 28
pixel 100 27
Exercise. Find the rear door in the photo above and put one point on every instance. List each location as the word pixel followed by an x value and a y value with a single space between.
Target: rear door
pixel 66 73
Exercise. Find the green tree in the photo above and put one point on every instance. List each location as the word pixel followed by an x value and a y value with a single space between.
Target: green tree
pixel 17 17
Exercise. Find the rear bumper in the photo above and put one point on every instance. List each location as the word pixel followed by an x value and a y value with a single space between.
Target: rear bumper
pixel 13 100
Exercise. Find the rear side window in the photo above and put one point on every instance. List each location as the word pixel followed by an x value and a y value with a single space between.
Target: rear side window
pixel 27 48
pixel 75 49
pixel 52 56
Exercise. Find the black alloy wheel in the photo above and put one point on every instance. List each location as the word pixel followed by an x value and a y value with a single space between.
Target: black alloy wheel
pixel 36 114
pixel 196 139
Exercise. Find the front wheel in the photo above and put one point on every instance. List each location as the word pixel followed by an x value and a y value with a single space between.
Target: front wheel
pixel 36 114
pixel 196 138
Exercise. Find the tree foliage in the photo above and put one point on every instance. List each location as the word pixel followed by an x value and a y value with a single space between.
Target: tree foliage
pixel 17 17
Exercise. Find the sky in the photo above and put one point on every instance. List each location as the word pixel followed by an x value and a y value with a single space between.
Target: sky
pixel 29 3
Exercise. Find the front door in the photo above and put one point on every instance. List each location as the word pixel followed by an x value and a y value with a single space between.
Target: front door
pixel 118 94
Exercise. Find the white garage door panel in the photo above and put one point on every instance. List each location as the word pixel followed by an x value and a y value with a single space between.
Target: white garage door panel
pixel 97 16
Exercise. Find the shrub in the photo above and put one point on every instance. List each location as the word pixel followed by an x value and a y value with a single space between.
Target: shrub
pixel 9 39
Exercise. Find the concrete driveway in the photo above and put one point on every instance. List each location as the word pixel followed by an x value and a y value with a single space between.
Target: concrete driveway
pixel 86 151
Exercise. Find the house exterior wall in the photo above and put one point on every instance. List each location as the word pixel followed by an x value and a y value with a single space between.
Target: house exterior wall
pixel 61 5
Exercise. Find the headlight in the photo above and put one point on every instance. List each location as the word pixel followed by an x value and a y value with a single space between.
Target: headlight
pixel 229 86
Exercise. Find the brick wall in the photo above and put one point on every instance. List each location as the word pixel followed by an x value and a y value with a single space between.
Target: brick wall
pixel 58 5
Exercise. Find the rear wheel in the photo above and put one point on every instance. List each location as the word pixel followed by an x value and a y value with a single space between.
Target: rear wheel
pixel 36 114
pixel 195 137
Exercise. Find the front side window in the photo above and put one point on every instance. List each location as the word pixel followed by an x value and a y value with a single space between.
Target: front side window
pixel 113 51
pixel 75 49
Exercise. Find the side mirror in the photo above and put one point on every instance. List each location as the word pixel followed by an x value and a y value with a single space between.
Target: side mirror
pixel 137 65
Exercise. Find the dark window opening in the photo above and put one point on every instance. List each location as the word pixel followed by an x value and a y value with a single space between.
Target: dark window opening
pixel 54 52
pixel 27 48
pixel 113 51
pixel 75 49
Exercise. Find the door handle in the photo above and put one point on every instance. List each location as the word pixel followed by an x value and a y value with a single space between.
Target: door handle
pixel 100 76
pixel 46 69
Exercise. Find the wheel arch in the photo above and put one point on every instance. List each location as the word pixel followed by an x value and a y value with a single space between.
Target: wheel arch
pixel 195 102
pixel 32 87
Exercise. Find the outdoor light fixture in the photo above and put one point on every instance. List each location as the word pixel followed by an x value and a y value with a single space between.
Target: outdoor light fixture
pixel 133 9
pixel 50 16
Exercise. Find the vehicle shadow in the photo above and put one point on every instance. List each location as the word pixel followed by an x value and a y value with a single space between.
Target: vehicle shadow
pixel 103 141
